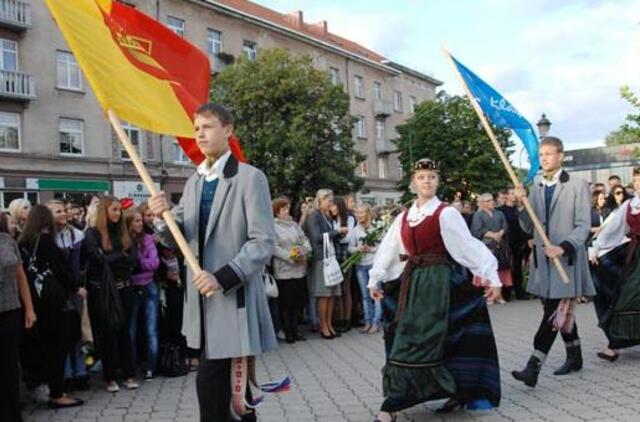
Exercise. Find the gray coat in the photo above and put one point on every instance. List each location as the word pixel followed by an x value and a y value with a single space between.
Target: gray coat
pixel 568 226
pixel 239 242
pixel 484 222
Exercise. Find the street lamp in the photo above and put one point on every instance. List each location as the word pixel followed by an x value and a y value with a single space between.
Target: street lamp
pixel 543 126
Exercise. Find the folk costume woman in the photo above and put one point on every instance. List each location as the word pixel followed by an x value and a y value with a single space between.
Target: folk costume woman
pixel 433 354
pixel 616 262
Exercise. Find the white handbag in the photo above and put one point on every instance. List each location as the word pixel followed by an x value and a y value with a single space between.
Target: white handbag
pixel 270 286
pixel 331 269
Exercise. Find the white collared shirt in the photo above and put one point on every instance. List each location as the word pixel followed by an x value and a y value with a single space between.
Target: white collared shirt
pixel 215 171
pixel 461 245
pixel 554 179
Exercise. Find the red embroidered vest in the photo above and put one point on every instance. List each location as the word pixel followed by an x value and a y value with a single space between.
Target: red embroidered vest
pixel 425 238
pixel 634 222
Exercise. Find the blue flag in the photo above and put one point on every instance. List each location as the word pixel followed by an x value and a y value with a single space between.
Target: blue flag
pixel 502 114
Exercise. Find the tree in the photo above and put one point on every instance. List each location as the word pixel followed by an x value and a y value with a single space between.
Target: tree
pixel 293 123
pixel 448 131
pixel 629 132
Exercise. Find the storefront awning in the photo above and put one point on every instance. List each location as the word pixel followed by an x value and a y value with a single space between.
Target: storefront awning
pixel 69 185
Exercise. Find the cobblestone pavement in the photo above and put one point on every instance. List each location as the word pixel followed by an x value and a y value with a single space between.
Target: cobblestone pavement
pixel 339 380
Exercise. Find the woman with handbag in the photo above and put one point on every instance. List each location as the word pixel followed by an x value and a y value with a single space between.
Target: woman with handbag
pixel 321 235
pixel 110 259
pixel 51 286
pixel 343 217
pixel 435 354
pixel 145 290
pixel 16 314
pixel 289 267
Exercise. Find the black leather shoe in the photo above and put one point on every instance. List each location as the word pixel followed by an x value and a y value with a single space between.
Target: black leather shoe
pixel 450 406
pixel 529 375
pixel 610 358
pixel 75 403
pixel 329 337
pixel 573 362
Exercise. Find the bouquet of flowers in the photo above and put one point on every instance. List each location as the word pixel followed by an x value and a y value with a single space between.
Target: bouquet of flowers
pixel 373 237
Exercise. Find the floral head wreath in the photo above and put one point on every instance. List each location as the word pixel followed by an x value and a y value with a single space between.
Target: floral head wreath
pixel 425 164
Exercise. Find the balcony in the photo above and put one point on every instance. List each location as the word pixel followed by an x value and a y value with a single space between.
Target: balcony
pixel 15 14
pixel 17 86
pixel 382 108
pixel 385 146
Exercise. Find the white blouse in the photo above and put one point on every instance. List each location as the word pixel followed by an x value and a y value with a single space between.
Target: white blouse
pixel 614 229
pixel 461 245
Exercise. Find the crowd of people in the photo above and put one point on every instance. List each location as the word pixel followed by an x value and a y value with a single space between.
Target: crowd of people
pixel 86 278
pixel 102 287
pixel 77 247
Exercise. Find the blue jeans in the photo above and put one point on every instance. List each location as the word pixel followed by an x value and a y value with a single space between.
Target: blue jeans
pixel 147 300
pixel 74 364
pixel 372 308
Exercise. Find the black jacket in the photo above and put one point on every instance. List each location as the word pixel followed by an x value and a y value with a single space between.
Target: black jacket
pixel 122 263
pixel 49 254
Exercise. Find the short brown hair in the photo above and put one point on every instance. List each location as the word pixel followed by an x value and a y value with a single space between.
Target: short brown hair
pixel 279 203
pixel 218 110
pixel 554 142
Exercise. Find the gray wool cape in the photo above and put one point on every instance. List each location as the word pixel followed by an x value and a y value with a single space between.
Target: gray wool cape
pixel 568 227
pixel 240 239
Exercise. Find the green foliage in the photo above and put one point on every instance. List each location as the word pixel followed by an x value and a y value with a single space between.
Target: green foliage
pixel 629 132
pixel 448 131
pixel 293 123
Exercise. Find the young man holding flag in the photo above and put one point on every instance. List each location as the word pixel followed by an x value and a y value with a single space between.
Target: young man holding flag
pixel 226 217
pixel 562 205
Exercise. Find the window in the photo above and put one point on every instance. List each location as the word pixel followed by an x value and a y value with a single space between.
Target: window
pixel 363 169
pixel 214 46
pixel 177 154
pixel 397 101
pixel 176 25
pixel 379 129
pixel 9 56
pixel 335 75
pixel 7 196
pixel 134 135
pixel 68 71
pixel 249 49
pixel 377 91
pixel 413 102
pixel 361 127
pixel 382 168
pixel 9 131
pixel 71 136
pixel 358 86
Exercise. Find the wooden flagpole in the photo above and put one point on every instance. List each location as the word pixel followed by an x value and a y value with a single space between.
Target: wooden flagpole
pixel 192 262
pixel 507 166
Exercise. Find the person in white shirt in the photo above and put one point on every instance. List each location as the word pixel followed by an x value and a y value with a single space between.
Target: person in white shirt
pixel 423 245
pixel 372 309
pixel 615 256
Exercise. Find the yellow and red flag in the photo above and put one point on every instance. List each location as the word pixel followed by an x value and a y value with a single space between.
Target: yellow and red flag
pixel 137 67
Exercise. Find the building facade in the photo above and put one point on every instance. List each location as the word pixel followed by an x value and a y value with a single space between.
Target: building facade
pixel 55 140
pixel 597 164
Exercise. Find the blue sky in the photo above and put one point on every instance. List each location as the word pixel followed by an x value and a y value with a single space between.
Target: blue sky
pixel 566 58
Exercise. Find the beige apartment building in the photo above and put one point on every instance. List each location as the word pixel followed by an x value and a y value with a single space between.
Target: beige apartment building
pixel 55 140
